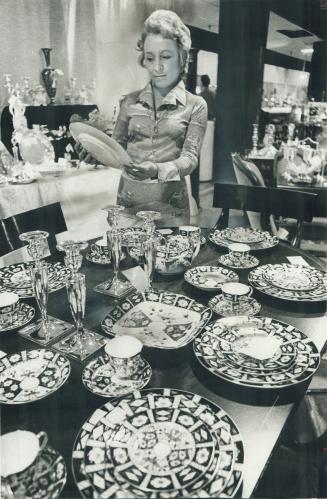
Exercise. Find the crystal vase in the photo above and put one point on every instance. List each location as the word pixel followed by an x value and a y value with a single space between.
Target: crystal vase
pixel 48 76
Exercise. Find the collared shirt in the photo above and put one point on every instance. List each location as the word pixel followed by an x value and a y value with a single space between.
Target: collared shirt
pixel 170 135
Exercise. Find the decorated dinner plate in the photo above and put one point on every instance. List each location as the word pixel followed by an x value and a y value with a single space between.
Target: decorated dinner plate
pixel 100 378
pixel 244 235
pixel 23 315
pixel 223 307
pixel 16 278
pixel 294 277
pixel 209 278
pixel 158 319
pixel 31 375
pixel 258 352
pixel 48 479
pixel 157 444
pixel 220 238
pixel 102 147
pixel 265 279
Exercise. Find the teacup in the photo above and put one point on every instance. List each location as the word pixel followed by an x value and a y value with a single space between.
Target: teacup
pixel 238 252
pixel 193 234
pixel 124 355
pixel 20 451
pixel 235 292
pixel 8 308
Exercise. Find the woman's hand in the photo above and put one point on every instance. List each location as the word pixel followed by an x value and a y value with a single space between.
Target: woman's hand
pixel 144 170
pixel 83 155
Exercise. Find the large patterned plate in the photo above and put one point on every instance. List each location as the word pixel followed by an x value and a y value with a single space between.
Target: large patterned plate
pixel 244 235
pixel 294 359
pixel 258 279
pixel 220 237
pixel 16 278
pixel 31 375
pixel 209 278
pixel 294 277
pixel 158 443
pixel 158 319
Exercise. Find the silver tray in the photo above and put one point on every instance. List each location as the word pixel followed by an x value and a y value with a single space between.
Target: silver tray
pixel 158 319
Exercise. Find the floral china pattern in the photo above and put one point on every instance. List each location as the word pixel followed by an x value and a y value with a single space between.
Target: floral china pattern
pixel 209 278
pixel 296 361
pixel 23 315
pixel 158 319
pixel 31 375
pixel 48 479
pixel 219 237
pixel 158 444
pixel 248 306
pixel 258 279
pixel 16 278
pixel 99 377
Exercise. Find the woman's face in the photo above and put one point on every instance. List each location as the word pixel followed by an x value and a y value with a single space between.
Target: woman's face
pixel 161 59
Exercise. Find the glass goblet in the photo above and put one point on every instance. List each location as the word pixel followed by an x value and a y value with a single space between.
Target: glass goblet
pixel 73 257
pixel 37 243
pixel 149 218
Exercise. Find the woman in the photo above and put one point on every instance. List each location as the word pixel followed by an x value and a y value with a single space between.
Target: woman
pixel 161 126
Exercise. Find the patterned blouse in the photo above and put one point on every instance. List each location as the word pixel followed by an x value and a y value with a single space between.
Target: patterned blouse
pixel 170 136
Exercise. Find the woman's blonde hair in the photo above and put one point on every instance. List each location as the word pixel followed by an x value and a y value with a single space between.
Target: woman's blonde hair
pixel 169 25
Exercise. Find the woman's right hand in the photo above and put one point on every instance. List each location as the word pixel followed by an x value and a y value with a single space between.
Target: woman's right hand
pixel 83 154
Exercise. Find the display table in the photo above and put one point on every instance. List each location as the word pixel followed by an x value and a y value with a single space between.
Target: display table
pixel 82 193
pixel 259 414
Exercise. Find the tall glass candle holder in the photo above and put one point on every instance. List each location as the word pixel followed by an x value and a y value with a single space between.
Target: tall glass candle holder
pixel 118 286
pixel 81 342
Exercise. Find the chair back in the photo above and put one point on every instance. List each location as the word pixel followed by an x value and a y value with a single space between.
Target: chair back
pixel 49 218
pixel 247 173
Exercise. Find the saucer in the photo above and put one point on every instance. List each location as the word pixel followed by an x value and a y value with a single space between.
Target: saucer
pixel 49 477
pixel 25 314
pixel 209 278
pixel 100 378
pixel 248 306
pixel 248 263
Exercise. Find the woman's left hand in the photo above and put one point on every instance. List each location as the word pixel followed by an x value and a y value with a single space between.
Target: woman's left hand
pixel 144 170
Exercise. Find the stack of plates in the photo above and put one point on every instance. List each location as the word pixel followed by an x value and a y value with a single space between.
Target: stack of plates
pixel 258 352
pixel 256 239
pixel 158 443
pixel 290 282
